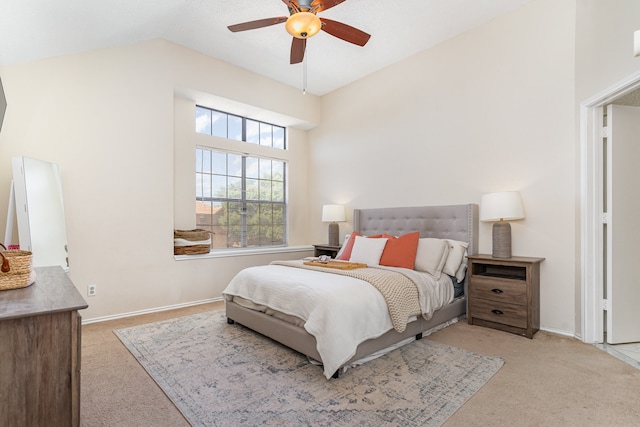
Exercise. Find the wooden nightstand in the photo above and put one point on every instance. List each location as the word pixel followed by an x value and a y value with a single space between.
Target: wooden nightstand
pixel 504 293
pixel 330 250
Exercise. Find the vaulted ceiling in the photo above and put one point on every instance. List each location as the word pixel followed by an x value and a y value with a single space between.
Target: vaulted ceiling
pixel 36 29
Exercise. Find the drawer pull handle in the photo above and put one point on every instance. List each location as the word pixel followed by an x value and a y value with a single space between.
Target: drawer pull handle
pixel 497 312
pixel 497 291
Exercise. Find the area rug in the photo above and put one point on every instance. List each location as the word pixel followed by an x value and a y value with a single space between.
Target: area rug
pixel 227 375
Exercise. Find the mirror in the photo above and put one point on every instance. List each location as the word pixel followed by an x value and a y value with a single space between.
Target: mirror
pixel 40 211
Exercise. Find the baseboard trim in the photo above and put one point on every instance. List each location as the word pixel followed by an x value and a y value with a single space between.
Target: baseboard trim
pixel 559 332
pixel 149 311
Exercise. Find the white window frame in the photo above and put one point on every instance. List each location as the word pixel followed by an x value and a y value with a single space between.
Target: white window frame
pixel 250 186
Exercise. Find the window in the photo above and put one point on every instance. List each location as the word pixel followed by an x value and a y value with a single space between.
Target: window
pixel 225 125
pixel 241 199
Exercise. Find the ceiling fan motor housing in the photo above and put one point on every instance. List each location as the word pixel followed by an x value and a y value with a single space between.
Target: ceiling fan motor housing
pixel 303 4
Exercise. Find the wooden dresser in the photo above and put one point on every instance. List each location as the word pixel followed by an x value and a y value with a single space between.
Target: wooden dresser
pixel 40 346
pixel 504 293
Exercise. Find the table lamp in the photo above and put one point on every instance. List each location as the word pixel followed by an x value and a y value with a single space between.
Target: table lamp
pixel 333 214
pixel 501 207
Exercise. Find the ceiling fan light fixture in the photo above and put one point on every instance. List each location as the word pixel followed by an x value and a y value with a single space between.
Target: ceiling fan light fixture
pixel 303 25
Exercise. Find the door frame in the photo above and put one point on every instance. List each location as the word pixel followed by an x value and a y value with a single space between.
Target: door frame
pixel 591 207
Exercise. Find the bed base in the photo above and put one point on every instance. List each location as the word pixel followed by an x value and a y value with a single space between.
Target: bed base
pixel 300 340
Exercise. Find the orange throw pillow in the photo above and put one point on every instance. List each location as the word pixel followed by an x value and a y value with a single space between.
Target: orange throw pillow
pixel 348 247
pixel 400 251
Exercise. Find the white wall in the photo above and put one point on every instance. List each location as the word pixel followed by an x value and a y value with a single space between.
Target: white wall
pixel 490 110
pixel 604 44
pixel 107 118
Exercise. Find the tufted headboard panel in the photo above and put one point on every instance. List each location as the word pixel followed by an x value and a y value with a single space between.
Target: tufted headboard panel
pixel 455 222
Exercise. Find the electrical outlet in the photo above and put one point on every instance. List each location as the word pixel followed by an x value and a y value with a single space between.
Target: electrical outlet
pixel 92 290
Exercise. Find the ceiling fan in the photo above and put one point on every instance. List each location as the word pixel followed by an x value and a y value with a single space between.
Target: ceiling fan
pixel 303 23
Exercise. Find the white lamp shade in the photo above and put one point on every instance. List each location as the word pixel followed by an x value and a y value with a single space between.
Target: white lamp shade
pixel 636 43
pixel 504 205
pixel 333 213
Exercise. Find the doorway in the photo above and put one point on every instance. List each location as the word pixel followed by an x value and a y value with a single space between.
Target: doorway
pixel 596 225
pixel 621 149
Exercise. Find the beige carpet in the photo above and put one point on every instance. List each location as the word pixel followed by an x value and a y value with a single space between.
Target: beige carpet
pixel 548 381
pixel 227 375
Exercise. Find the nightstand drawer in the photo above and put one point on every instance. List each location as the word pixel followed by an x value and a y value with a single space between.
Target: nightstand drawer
pixel 496 289
pixel 499 312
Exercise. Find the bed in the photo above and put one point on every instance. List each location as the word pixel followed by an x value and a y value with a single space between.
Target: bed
pixel 453 223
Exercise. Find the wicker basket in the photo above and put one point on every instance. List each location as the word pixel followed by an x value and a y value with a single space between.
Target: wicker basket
pixel 16 271
pixel 201 242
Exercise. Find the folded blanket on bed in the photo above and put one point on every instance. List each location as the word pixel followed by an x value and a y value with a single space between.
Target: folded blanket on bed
pixel 399 292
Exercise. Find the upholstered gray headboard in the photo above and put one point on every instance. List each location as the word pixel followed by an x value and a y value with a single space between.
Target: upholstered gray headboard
pixel 455 222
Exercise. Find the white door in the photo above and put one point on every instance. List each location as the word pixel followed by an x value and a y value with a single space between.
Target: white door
pixel 623 224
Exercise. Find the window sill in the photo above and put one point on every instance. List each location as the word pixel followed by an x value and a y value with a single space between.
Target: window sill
pixel 245 252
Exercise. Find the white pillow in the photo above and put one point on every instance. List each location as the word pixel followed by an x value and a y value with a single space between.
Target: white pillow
pixel 344 245
pixel 431 256
pixel 367 251
pixel 457 250
pixel 462 270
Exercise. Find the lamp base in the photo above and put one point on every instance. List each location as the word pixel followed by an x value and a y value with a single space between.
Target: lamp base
pixel 501 240
pixel 334 232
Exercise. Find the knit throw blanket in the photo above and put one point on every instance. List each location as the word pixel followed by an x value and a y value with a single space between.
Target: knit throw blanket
pixel 399 292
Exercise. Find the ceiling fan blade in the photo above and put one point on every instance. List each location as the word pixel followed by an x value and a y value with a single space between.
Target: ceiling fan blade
pixel 345 32
pixel 298 47
pixel 326 4
pixel 288 2
pixel 252 25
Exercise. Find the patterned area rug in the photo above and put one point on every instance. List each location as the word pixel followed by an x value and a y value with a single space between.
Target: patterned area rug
pixel 227 375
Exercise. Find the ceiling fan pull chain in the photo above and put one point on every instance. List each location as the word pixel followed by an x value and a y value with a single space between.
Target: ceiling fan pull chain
pixel 304 73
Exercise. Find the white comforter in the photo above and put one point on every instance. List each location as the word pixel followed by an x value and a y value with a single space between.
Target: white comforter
pixel 340 312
